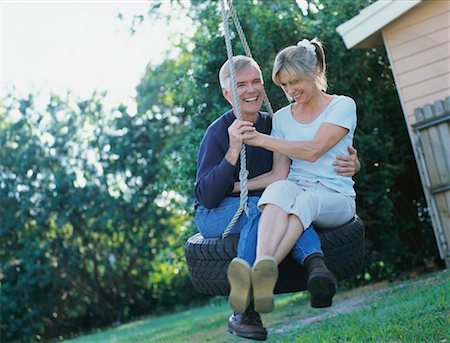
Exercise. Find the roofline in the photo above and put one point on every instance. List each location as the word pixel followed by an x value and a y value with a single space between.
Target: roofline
pixel 364 30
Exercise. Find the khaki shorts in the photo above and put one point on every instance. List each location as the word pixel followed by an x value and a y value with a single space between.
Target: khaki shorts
pixel 311 202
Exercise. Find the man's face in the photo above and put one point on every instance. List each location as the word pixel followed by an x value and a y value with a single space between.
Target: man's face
pixel 250 92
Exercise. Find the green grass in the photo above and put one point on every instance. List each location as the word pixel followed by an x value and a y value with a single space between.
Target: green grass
pixel 409 311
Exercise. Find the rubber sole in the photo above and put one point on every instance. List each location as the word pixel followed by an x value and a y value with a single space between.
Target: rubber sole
pixel 240 284
pixel 264 277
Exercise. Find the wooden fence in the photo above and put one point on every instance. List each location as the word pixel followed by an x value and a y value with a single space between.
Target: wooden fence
pixel 432 143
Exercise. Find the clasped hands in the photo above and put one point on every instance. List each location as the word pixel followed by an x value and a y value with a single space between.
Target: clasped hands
pixel 240 132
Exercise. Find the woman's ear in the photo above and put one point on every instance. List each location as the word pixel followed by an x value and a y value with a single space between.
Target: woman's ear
pixel 316 70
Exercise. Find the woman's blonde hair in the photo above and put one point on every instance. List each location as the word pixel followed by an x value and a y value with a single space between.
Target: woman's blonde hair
pixel 298 63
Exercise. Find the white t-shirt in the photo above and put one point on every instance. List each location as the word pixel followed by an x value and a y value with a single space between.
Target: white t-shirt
pixel 340 111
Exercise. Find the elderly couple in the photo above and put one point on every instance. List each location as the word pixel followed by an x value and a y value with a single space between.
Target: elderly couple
pixel 300 164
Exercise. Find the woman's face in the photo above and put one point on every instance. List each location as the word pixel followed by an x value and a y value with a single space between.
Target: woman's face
pixel 300 90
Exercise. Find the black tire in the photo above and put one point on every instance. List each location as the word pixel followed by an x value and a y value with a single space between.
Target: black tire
pixel 208 259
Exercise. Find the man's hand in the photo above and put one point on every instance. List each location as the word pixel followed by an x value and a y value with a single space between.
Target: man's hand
pixel 238 131
pixel 347 165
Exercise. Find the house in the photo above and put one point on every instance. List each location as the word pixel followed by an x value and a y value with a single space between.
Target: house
pixel 416 36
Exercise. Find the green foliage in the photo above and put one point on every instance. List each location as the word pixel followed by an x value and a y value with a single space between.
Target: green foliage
pixel 84 241
pixel 388 187
pixel 96 204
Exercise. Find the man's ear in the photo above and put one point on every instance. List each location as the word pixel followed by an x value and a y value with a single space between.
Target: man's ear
pixel 226 94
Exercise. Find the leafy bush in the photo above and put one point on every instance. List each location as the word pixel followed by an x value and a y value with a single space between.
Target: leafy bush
pixel 388 186
pixel 84 241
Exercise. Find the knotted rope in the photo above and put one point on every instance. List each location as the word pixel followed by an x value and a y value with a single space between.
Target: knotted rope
pixel 246 47
pixel 243 174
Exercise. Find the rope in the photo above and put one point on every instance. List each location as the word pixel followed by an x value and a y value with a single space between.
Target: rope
pixel 246 47
pixel 243 174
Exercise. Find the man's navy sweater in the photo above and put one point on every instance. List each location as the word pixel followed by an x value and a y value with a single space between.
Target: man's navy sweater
pixel 215 175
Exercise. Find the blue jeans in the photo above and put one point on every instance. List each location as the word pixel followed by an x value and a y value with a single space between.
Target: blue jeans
pixel 212 223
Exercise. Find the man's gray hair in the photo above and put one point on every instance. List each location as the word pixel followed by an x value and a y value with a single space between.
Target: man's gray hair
pixel 240 63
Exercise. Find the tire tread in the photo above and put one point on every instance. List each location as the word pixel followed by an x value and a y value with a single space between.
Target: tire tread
pixel 208 259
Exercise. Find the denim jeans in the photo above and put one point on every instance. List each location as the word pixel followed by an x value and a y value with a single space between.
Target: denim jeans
pixel 212 223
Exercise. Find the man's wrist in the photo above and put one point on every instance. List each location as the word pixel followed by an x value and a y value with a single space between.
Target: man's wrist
pixel 232 156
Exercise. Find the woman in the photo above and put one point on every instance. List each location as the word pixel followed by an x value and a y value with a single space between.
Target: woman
pixel 312 131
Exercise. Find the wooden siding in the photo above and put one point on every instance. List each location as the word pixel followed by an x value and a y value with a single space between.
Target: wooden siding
pixel 419 47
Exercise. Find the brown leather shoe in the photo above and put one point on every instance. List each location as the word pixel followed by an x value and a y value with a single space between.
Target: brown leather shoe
pixel 247 325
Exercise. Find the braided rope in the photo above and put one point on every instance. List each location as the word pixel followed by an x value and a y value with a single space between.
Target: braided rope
pixel 241 34
pixel 243 174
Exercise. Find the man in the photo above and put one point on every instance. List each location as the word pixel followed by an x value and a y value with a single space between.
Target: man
pixel 217 186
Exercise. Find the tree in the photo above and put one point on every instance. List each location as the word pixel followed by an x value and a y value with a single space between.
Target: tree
pixel 388 186
pixel 84 242
pixel 96 203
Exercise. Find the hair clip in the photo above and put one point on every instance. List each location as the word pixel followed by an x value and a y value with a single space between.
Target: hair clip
pixel 308 46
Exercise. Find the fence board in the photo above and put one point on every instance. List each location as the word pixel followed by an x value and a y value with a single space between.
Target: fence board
pixel 443 205
pixel 432 129
pixel 444 130
pixel 439 144
pixel 428 153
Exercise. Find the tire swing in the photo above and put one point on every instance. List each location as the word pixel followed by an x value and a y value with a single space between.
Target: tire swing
pixel 208 259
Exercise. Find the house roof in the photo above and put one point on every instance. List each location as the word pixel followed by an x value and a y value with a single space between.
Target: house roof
pixel 364 30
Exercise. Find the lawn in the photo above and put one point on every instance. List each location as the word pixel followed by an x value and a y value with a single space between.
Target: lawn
pixel 416 310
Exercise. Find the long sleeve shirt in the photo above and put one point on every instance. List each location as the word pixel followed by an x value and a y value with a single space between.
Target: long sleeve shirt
pixel 215 175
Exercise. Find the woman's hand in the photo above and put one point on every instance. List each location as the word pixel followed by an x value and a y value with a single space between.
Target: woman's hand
pixel 256 140
pixel 347 165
